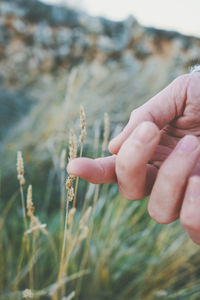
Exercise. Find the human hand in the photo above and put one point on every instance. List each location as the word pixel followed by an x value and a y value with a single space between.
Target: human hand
pixel 157 154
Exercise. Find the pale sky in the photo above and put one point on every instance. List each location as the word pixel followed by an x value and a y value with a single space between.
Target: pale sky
pixel 179 15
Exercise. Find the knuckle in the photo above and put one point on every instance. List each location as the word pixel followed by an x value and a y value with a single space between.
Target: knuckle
pixel 189 84
pixel 135 116
pixel 182 80
pixel 180 87
pixel 193 88
pixel 129 195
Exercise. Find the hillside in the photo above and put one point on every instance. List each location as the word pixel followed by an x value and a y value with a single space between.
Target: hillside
pixel 53 59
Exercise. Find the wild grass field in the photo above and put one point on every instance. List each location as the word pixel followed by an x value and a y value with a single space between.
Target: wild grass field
pixel 68 83
pixel 102 247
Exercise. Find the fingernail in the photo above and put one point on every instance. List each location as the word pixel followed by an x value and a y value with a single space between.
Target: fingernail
pixel 188 144
pixel 145 132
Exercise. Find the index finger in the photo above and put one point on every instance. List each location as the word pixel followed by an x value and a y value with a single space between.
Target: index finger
pixel 99 170
pixel 161 109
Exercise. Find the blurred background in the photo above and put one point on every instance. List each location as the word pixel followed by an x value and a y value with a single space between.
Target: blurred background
pixel 109 56
pixel 180 16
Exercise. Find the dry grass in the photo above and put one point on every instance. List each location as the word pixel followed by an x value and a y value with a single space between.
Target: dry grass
pixel 101 247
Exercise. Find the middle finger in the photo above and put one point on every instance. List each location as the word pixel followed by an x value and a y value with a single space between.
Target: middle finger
pixel 165 200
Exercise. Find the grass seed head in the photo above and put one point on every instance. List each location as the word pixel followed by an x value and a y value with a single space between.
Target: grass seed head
pixel 70 194
pixel 35 223
pixel 83 125
pixel 106 132
pixel 69 182
pixel 21 179
pixel 69 187
pixel 29 202
pixel 20 168
pixel 72 145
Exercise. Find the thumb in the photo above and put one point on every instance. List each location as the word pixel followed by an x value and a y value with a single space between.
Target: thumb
pixel 161 110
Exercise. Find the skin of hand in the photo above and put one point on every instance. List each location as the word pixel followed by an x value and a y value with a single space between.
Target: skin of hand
pixel 157 154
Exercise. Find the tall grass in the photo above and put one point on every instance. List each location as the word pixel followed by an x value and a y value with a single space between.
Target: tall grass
pixel 98 246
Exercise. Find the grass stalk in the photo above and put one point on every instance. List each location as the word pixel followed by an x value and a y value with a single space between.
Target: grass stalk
pixel 77 180
pixel 62 204
pixel 60 273
pixel 96 195
pixel 26 240
pixel 81 140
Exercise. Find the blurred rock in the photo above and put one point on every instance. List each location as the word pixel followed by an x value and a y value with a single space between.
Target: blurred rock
pixel 19 26
pixel 43 35
pixel 91 24
pixel 64 36
pixel 5 36
pixel 142 50
pixel 130 62
pixel 106 44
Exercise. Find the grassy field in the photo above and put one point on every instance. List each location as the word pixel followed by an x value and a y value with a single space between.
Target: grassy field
pixel 106 248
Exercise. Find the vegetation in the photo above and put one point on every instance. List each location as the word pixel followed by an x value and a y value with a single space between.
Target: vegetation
pixel 68 239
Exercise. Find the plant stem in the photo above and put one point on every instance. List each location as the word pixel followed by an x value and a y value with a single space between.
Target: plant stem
pixel 26 238
pixel 85 256
pixel 60 273
pixel 77 180
pixel 62 204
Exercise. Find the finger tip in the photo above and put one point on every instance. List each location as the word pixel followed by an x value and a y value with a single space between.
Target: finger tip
pixel 72 167
pixel 110 147
pixel 113 146
pixel 82 167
